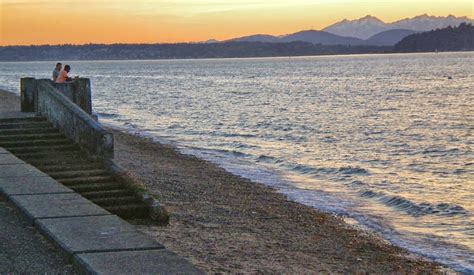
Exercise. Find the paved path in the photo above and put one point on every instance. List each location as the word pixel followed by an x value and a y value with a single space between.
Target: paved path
pixel 23 249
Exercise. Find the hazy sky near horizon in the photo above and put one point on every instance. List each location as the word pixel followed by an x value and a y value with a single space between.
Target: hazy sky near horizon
pixel 36 22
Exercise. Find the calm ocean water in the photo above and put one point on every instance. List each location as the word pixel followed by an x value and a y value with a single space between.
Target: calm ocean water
pixel 383 140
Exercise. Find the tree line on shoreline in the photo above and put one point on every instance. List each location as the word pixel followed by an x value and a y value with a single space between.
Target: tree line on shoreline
pixel 459 38
pixel 448 39
pixel 176 51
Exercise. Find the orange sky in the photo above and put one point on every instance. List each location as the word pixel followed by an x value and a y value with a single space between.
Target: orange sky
pixel 36 22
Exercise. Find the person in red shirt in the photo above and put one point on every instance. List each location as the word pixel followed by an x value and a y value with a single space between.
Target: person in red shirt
pixel 63 76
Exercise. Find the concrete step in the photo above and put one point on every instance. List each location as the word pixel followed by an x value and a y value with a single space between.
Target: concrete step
pixel 18 120
pixel 78 174
pixel 24 125
pixel 57 157
pixel 26 137
pixel 115 200
pixel 50 149
pixel 135 210
pixel 85 180
pixel 55 167
pixel 107 193
pixel 35 142
pixel 81 188
pixel 59 161
pixel 41 130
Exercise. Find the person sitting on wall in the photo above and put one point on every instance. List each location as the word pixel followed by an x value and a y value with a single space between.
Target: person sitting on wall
pixel 63 76
pixel 56 71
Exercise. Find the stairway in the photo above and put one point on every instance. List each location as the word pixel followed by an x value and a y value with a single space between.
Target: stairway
pixel 37 142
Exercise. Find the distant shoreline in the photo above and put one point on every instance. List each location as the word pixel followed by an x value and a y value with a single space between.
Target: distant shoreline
pixel 178 51
pixel 233 58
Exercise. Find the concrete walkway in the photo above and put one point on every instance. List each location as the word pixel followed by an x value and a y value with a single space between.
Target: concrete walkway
pixel 95 240
pixel 23 250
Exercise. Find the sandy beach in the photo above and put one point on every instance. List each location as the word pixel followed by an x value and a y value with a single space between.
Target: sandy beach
pixel 226 224
pixel 9 102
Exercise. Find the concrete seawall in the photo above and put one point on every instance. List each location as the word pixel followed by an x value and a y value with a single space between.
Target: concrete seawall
pixel 78 91
pixel 59 104
pixel 62 108
pixel 74 122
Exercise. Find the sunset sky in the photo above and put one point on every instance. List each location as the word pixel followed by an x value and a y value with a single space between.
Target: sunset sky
pixel 27 22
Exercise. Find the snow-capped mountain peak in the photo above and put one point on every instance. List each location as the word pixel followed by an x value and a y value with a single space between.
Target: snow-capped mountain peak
pixel 368 26
pixel 362 28
pixel 369 18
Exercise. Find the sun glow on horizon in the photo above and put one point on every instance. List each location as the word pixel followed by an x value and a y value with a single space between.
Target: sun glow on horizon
pixel 36 22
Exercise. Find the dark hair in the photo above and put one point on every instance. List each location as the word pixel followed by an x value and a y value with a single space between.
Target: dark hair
pixel 67 67
pixel 58 64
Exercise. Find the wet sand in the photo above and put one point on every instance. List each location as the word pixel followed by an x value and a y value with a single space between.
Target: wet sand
pixel 224 223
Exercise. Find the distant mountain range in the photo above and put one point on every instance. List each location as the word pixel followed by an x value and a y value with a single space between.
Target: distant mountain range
pixel 389 38
pixel 386 38
pixel 311 36
pixel 369 31
pixel 368 26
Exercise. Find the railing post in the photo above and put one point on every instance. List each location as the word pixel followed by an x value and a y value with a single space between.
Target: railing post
pixel 28 89
pixel 82 89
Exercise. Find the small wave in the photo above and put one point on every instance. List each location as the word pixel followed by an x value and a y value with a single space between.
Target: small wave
pixel 353 170
pixel 107 115
pixel 388 109
pixel 357 183
pixel 439 151
pixel 370 133
pixel 308 170
pixel 369 194
pixel 345 170
pixel 265 158
pixel 418 123
pixel 175 126
pixel 240 92
pixel 222 134
pixel 232 152
pixel 459 171
pixel 328 139
pixel 238 135
pixel 240 145
pixel 402 91
pixel 415 209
